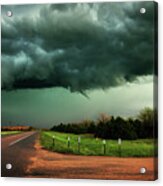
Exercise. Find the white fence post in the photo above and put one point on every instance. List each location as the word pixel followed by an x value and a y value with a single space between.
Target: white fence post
pixel 79 141
pixel 104 144
pixel 68 141
pixel 119 144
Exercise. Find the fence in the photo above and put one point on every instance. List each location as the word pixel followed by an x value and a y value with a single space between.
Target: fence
pixel 81 145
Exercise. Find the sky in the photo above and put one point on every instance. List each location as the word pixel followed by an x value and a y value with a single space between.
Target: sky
pixel 71 62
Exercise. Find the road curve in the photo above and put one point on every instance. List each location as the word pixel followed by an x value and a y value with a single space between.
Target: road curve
pixel 29 159
pixel 17 150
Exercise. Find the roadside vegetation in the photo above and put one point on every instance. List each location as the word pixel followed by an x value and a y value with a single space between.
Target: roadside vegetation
pixel 110 136
pixel 88 145
pixel 5 133
pixel 11 130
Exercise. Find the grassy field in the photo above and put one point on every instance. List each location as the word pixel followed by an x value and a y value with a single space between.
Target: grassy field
pixel 93 146
pixel 4 133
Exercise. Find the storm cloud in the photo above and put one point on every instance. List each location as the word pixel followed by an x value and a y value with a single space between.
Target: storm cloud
pixel 76 46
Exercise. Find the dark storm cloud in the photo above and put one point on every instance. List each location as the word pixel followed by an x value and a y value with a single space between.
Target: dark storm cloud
pixel 77 46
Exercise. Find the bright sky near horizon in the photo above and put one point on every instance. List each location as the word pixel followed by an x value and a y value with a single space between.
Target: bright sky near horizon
pixel 70 62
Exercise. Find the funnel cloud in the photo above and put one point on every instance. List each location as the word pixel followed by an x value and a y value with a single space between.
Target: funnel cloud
pixel 76 46
pixel 53 54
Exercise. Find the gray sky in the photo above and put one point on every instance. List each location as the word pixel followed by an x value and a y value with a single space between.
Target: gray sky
pixel 69 62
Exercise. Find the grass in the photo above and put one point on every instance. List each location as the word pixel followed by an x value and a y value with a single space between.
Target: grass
pixel 94 146
pixel 4 133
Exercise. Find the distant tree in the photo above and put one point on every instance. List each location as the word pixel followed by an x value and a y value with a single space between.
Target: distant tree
pixel 137 124
pixel 91 128
pixel 147 118
pixel 108 127
pixel 123 129
pixel 146 115
pixel 104 118
pixel 116 128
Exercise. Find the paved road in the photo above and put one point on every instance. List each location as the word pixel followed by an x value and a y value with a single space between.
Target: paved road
pixel 29 159
pixel 17 150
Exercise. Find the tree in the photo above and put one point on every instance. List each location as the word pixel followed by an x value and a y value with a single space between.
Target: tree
pixel 146 115
pixel 104 118
pixel 147 118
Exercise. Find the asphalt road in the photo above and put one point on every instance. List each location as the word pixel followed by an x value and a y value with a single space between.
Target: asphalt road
pixel 17 150
pixel 30 159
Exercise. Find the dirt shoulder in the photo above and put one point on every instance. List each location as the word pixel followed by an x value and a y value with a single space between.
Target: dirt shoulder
pixel 48 164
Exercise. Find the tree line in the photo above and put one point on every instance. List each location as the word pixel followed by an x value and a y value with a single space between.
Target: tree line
pixel 109 127
pixel 17 128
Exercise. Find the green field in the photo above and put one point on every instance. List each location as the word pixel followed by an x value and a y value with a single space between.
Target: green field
pixel 93 146
pixel 4 133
